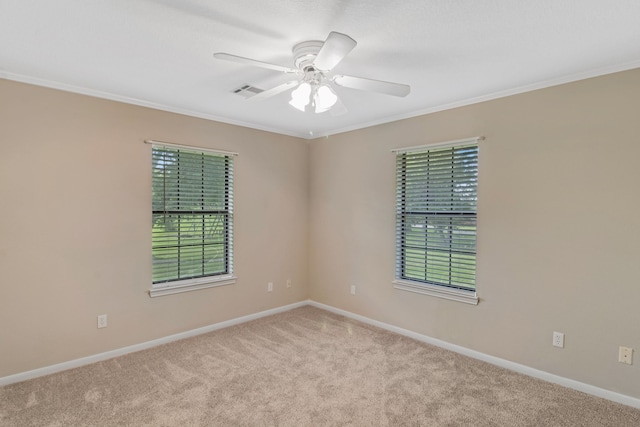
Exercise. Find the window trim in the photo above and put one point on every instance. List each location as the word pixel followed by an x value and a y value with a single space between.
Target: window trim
pixel 157 143
pixel 187 285
pixel 453 294
pixel 444 144
pixel 179 286
pixel 440 291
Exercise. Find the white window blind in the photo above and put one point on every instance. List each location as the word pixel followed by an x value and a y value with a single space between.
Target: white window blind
pixel 436 207
pixel 192 235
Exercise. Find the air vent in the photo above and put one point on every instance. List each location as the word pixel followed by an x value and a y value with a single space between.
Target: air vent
pixel 247 91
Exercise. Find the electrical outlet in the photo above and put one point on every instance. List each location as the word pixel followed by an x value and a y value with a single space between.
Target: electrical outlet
pixel 288 283
pixel 102 321
pixel 558 339
pixel 270 287
pixel 625 355
pixel 353 289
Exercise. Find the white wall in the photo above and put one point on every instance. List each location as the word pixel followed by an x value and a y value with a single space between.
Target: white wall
pixel 75 225
pixel 558 239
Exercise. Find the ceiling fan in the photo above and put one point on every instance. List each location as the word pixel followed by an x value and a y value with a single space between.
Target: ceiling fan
pixel 314 60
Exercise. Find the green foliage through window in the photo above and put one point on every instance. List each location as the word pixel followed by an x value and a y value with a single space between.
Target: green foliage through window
pixel 436 203
pixel 192 214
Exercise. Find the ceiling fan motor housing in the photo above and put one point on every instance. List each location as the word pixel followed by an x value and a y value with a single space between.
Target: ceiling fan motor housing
pixel 305 53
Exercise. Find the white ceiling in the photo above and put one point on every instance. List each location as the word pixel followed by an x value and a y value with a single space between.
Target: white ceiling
pixel 158 53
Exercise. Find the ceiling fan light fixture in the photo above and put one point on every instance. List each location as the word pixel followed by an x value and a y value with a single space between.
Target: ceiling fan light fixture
pixel 314 60
pixel 324 99
pixel 301 96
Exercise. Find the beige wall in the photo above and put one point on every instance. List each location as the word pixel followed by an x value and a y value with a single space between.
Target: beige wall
pixel 558 243
pixel 558 238
pixel 75 225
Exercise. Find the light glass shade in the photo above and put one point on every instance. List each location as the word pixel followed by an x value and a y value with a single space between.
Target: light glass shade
pixel 321 98
pixel 300 97
pixel 324 99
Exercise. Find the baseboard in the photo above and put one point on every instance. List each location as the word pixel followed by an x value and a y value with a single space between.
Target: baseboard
pixel 556 379
pixel 552 378
pixel 47 370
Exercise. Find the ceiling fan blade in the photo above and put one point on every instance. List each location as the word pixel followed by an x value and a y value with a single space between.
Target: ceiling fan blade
pixel 274 90
pixel 243 60
pixel 334 49
pixel 395 89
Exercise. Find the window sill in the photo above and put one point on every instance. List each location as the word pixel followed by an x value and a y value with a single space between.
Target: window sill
pixel 468 297
pixel 170 288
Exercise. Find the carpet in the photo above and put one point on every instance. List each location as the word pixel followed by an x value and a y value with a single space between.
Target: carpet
pixel 304 367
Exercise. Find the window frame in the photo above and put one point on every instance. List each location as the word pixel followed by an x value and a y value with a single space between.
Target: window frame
pixel 177 285
pixel 401 281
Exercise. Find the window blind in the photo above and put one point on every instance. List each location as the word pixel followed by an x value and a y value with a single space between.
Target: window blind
pixel 436 208
pixel 192 233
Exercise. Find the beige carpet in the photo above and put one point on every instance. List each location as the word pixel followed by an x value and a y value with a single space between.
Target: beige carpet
pixel 305 367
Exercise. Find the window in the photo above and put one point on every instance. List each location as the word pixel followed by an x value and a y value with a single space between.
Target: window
pixel 192 234
pixel 436 199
